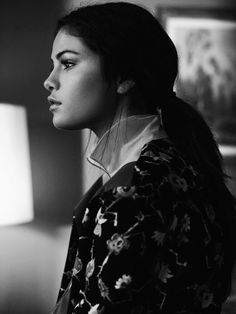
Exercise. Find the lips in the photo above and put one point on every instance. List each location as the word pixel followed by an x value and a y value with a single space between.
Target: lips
pixel 52 101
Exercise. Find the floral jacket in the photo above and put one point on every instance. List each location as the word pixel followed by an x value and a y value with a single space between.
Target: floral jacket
pixel 146 242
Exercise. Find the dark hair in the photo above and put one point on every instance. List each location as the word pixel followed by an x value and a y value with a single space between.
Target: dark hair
pixel 133 45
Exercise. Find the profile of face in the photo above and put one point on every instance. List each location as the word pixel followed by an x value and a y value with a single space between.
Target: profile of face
pixel 80 97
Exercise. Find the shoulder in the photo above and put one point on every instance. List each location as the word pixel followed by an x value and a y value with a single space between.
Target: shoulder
pixel 160 161
pixel 161 172
pixel 162 152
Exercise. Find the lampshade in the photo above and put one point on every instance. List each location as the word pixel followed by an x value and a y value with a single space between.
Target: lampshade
pixel 16 200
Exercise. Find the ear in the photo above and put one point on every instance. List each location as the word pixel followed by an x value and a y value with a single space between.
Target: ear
pixel 125 86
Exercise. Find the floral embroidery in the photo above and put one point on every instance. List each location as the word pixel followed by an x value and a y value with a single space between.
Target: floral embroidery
pixel 186 223
pixel 124 191
pixel 159 237
pixel 86 217
pixel 93 309
pixel 151 155
pixel 104 290
pixel 98 230
pixel 140 216
pixel 117 243
pixel 178 182
pixel 77 266
pixel 207 299
pixel 165 273
pixel 100 217
pixel 182 239
pixel 81 302
pixel 165 157
pixel 90 268
pixel 141 172
pixel 122 282
pixel 204 296
pixel 100 220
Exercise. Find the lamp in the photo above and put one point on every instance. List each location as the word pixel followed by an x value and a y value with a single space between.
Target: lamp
pixel 16 200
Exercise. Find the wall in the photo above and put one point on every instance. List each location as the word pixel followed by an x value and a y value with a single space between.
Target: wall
pixel 31 263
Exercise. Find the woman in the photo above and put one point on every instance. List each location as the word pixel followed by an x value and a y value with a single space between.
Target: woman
pixel 154 232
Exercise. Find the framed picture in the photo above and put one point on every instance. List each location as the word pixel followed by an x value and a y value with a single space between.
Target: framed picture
pixel 206 44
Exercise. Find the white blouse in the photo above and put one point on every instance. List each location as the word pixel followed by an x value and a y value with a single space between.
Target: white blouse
pixel 123 142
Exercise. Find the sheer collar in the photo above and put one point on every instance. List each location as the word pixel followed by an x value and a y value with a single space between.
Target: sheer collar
pixel 123 142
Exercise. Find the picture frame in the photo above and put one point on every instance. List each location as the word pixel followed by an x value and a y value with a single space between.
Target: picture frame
pixel 205 40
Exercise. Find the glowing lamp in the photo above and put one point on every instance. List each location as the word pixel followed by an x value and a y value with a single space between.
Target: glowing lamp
pixel 16 199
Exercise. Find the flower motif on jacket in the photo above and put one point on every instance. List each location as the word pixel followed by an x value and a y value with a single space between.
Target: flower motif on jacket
pixel 207 299
pixel 100 217
pixel 98 230
pixel 93 309
pixel 100 220
pixel 204 296
pixel 104 290
pixel 117 243
pixel 159 237
pixel 142 173
pixel 90 268
pixel 77 266
pixel 165 273
pixel 86 217
pixel 165 157
pixel 177 182
pixel 124 191
pixel 140 216
pixel 151 155
pixel 122 282
pixel 186 223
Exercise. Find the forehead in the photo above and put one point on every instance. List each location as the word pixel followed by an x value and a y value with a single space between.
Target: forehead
pixel 65 41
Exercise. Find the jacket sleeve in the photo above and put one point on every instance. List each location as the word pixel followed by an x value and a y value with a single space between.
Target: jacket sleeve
pixel 154 251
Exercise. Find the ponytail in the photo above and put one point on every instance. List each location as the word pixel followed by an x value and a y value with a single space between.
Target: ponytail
pixel 189 131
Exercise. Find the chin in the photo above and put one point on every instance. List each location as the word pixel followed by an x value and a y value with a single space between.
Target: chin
pixel 65 125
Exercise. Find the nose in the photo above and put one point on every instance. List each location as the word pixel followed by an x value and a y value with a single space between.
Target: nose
pixel 50 82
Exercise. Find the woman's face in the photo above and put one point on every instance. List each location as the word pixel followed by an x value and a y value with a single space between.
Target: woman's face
pixel 80 97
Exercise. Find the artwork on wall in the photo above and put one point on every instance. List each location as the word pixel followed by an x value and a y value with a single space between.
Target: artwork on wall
pixel 206 44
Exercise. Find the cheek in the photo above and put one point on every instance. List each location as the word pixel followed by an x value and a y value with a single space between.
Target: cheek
pixel 89 94
pixel 87 100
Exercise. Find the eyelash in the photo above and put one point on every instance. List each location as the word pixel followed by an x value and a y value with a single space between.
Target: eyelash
pixel 67 64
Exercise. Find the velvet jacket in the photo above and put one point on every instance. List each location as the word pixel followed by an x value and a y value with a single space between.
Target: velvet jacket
pixel 146 241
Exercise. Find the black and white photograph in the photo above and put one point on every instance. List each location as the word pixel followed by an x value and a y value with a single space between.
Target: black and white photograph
pixel 118 157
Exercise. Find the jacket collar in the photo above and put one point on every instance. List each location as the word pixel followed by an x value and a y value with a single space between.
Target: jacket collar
pixel 122 143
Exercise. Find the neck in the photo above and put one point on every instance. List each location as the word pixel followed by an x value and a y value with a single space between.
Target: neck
pixel 121 113
pixel 124 110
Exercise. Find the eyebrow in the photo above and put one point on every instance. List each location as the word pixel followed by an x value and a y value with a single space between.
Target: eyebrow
pixel 59 54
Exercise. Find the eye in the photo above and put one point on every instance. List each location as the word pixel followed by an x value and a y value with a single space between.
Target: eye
pixel 67 64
